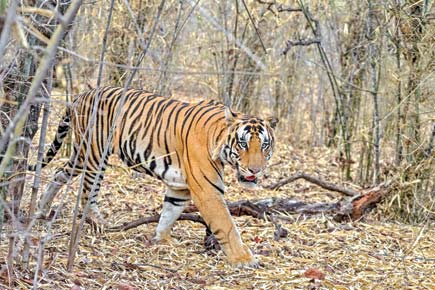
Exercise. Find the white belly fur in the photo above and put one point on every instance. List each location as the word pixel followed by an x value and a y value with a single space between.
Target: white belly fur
pixel 173 177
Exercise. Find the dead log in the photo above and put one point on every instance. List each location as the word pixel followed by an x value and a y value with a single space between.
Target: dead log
pixel 364 202
pixel 262 208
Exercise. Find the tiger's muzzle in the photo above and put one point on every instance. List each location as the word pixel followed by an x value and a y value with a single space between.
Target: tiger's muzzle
pixel 248 178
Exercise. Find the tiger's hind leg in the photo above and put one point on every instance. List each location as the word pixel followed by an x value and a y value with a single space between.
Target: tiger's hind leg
pixel 91 189
pixel 174 203
pixel 61 177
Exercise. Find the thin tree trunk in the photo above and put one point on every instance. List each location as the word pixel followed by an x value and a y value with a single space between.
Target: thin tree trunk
pixel 412 30
pixel 162 83
pixel 397 43
pixel 77 225
pixel 373 70
pixel 67 70
pixel 40 157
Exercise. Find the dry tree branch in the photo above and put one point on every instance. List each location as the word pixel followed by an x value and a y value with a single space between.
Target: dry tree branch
pixel 155 219
pixel 30 28
pixel 161 86
pixel 272 209
pixel 283 8
pixel 40 157
pixel 255 26
pixel 322 183
pixel 279 8
pixel 306 42
pixel 141 266
pixel 34 10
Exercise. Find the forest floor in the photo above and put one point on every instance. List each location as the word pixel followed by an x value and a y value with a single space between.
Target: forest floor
pixel 367 254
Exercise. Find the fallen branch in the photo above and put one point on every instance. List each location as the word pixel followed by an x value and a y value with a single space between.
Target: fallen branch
pixel 154 219
pixel 352 208
pixel 322 183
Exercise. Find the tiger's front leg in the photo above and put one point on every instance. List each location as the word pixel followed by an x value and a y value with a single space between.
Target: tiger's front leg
pixel 214 211
pixel 207 195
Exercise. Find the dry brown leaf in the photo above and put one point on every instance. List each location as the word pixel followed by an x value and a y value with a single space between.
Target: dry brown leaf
pixel 126 287
pixel 314 273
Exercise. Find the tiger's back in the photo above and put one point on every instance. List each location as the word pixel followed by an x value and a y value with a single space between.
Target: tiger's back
pixel 146 135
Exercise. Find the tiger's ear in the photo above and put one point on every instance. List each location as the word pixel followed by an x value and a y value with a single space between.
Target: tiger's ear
pixel 272 121
pixel 229 116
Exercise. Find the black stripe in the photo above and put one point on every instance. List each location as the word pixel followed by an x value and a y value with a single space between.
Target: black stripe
pixel 174 200
pixel 149 120
pixel 185 119
pixel 180 108
pixel 202 115
pixel 211 117
pixel 217 170
pixel 214 185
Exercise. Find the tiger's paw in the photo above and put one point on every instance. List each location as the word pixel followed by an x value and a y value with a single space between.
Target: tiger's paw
pixel 245 263
pixel 97 222
pixel 162 238
pixel 243 259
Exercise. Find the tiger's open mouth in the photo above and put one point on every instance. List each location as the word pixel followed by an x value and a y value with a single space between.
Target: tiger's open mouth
pixel 247 181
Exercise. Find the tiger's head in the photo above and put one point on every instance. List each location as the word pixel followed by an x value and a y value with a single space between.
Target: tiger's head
pixel 248 146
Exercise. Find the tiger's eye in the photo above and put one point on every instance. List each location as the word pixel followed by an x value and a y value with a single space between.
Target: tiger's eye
pixel 243 145
pixel 264 145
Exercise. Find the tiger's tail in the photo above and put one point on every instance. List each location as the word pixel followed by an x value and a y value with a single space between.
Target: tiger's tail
pixel 62 131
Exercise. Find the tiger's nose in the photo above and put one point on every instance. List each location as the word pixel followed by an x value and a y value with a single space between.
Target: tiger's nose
pixel 254 170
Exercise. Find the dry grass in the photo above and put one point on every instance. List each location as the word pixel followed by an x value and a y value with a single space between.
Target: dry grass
pixel 360 255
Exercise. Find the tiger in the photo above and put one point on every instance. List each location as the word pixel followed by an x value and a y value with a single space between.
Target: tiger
pixel 185 145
